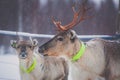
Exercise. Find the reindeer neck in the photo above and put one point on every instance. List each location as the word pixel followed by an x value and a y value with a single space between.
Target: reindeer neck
pixel 77 46
pixel 26 62
pixel 27 65
pixel 79 51
pixel 73 51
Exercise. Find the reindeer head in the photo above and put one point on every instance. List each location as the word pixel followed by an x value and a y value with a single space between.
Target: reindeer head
pixel 24 48
pixel 62 44
pixel 66 42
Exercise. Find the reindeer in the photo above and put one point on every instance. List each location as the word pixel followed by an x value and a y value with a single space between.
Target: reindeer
pixel 96 59
pixel 34 66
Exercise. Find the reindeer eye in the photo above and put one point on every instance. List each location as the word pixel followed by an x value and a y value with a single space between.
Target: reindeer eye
pixel 60 38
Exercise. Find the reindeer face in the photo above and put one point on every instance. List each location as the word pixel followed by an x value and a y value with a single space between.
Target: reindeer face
pixel 60 44
pixel 24 48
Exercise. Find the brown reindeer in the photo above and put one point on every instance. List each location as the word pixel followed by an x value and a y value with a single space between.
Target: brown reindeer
pixel 34 66
pixel 96 59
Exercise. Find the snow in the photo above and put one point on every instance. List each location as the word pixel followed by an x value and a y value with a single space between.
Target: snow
pixel 9 67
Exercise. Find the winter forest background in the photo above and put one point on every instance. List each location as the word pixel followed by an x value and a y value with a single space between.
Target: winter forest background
pixel 34 16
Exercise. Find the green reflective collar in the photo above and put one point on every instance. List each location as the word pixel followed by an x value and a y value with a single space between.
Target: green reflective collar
pixel 79 53
pixel 31 68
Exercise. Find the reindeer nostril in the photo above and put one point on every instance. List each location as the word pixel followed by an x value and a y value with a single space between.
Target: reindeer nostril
pixel 23 55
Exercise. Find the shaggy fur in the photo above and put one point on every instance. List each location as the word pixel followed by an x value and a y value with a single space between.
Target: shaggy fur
pixel 100 61
pixel 47 68
pixel 112 54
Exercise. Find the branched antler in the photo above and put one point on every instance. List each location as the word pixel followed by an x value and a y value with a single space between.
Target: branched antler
pixel 76 18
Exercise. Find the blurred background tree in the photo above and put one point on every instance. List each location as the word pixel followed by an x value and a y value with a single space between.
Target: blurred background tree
pixel 34 16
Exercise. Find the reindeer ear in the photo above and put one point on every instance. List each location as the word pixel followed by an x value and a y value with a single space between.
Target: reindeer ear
pixel 13 43
pixel 72 35
pixel 35 42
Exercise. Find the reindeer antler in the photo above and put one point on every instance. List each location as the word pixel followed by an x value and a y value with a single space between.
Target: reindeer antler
pixel 76 20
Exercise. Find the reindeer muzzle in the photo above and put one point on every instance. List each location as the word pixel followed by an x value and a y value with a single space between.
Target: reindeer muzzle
pixel 41 49
pixel 23 55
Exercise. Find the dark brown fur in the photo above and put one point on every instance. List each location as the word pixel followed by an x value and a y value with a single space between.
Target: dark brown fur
pixel 112 52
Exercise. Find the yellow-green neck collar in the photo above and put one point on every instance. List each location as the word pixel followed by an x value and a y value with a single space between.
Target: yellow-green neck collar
pixel 31 68
pixel 79 53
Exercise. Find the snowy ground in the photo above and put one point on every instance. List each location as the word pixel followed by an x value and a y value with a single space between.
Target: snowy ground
pixel 9 69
